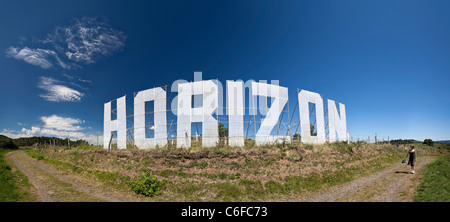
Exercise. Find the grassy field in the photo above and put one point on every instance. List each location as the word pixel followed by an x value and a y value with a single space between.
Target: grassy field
pixel 275 173
pixel 13 184
pixel 436 184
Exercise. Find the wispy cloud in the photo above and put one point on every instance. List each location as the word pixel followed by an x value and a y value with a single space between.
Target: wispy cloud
pixel 83 41
pixel 86 39
pixel 37 57
pixel 43 58
pixel 57 92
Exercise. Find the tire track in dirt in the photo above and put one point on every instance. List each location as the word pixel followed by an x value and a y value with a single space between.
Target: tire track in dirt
pixel 53 186
pixel 388 185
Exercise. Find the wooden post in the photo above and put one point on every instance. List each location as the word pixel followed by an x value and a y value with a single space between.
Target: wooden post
pixel 110 140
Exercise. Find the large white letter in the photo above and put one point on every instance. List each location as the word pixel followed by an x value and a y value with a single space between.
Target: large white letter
pixel 280 95
pixel 119 125
pixel 304 98
pixel 158 95
pixel 235 111
pixel 187 115
pixel 336 124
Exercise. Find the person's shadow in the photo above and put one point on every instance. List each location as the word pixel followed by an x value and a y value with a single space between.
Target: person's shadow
pixel 405 172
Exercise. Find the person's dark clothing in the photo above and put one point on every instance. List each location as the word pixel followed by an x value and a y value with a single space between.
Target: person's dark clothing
pixel 412 158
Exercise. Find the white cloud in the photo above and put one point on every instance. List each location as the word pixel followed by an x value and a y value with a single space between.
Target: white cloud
pixel 86 39
pixel 43 58
pixel 56 126
pixel 61 123
pixel 37 57
pixel 56 92
pixel 67 47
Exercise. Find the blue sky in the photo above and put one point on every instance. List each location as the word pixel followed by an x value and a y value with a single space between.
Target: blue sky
pixel 387 61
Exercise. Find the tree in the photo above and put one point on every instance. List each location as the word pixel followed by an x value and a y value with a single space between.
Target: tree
pixel 313 132
pixel 222 130
pixel 428 142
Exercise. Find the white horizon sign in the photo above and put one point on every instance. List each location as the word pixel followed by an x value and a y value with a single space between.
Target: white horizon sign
pixel 208 92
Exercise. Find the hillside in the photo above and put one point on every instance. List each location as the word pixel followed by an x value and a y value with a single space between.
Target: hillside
pixel 277 173
pixel 443 141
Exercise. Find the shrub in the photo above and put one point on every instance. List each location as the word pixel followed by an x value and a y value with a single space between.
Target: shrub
pixel 343 147
pixel 428 142
pixel 148 185
pixel 309 146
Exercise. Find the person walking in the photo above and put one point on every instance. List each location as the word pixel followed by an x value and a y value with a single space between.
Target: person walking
pixel 412 158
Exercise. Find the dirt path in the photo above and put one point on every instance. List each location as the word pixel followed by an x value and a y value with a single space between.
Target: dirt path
pixel 53 186
pixel 393 184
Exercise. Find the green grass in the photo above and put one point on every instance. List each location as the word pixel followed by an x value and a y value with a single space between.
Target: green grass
pixel 9 191
pixel 11 182
pixel 436 184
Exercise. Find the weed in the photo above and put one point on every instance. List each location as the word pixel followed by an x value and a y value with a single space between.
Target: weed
pixel 234 165
pixel 309 146
pixel 273 187
pixel 293 158
pixel 148 185
pixel 228 192
pixel 212 176
pixel 219 152
pixel 343 147
pixel 222 176
pixel 253 189
pixel 234 176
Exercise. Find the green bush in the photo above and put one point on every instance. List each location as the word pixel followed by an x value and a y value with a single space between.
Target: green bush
pixel 428 142
pixel 147 185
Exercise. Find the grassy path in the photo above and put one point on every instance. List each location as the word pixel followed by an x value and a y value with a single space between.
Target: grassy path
pixel 53 186
pixel 393 184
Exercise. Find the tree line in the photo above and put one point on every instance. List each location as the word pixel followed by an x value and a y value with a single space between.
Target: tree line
pixel 7 142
